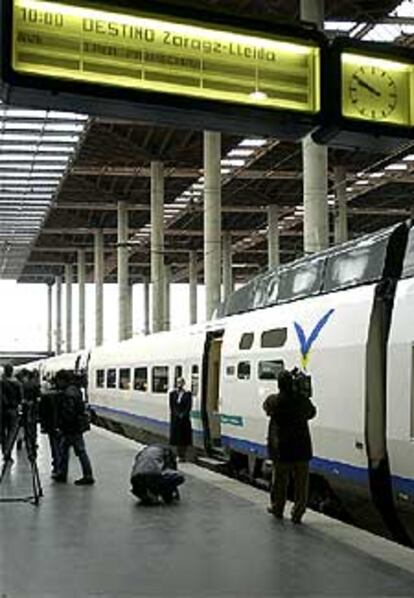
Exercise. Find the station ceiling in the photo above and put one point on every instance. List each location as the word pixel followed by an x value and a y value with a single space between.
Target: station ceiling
pixel 110 161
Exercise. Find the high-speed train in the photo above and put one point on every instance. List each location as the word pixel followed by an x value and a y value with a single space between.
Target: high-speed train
pixel 346 315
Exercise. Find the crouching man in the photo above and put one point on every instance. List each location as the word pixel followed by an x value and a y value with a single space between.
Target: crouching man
pixel 154 475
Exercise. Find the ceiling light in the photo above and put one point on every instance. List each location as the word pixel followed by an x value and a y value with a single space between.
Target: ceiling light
pixel 396 166
pixel 23 126
pixel 409 158
pixel 225 170
pixel 349 189
pixel 67 115
pixel 376 175
pixel 232 162
pixel 362 182
pixel 240 152
pixel 259 96
pixel 19 113
pixel 252 143
pixel 62 127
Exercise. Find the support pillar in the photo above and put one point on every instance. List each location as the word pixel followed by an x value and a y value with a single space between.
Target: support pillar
pixel 212 220
pixel 341 217
pixel 157 245
pixel 49 318
pixel 122 271
pixel 315 164
pixel 167 295
pixel 81 287
pixel 130 312
pixel 146 307
pixel 192 275
pixel 68 282
pixel 273 236
pixel 58 315
pixel 99 282
pixel 227 266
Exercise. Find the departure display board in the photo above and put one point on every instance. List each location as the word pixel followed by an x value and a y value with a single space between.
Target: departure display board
pixel 141 51
pixel 377 90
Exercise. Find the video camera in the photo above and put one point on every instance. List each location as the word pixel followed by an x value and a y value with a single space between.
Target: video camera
pixel 301 383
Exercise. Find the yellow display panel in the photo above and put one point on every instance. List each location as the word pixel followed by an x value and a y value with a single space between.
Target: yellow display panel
pixel 143 52
pixel 377 90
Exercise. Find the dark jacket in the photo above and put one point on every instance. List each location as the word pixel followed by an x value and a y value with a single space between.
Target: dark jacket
pixel 11 393
pixel 70 410
pixel 153 460
pixel 48 412
pixel 180 428
pixel 288 435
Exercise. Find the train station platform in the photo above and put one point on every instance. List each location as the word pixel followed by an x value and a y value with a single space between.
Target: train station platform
pixel 218 541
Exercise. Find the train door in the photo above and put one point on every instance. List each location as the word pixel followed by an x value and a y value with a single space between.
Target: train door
pixel 211 403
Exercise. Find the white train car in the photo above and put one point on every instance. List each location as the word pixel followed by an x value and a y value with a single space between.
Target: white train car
pixel 131 380
pixel 344 315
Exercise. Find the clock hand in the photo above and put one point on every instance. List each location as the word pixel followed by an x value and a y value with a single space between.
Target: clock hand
pixel 362 83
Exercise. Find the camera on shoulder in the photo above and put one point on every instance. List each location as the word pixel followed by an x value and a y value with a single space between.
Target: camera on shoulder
pixel 301 383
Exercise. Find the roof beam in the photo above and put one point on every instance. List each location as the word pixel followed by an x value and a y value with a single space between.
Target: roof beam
pixel 177 173
pixel 170 232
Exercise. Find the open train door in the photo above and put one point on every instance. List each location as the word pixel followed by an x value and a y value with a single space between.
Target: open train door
pixel 210 398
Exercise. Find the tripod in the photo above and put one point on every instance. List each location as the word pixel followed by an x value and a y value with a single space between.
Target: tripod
pixel 26 420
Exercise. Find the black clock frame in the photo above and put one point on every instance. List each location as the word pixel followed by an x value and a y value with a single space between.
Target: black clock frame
pixel 344 132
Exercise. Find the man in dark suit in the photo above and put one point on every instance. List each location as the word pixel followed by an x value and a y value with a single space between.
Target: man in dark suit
pixel 181 435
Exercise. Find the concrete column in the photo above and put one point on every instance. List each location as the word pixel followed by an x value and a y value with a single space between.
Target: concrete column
pixel 130 311
pixel 157 245
pixel 122 270
pixel 167 295
pixel 341 220
pixel 58 315
pixel 273 236
pixel 81 287
pixel 146 307
pixel 212 220
pixel 49 318
pixel 99 282
pixel 315 164
pixel 68 281
pixel 227 266
pixel 192 275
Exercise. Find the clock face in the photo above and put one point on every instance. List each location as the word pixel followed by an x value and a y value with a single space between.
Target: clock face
pixel 373 92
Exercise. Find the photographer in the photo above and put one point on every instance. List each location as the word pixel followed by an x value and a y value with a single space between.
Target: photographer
pixel 289 442
pixel 11 398
pixel 49 422
pixel 72 421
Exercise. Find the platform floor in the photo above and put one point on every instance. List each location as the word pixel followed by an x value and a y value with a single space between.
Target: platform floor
pixel 218 541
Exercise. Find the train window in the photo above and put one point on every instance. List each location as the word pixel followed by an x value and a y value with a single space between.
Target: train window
pixel 243 370
pixel 269 370
pixel 273 338
pixel 141 379
pixel 111 378
pixel 178 373
pixel 100 378
pixel 301 280
pixel 246 341
pixel 230 370
pixel 160 378
pixel 124 382
pixel 195 378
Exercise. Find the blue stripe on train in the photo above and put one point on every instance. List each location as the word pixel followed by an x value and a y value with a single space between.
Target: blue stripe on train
pixel 358 475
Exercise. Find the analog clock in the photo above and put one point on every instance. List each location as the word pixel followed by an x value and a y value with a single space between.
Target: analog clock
pixel 373 92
